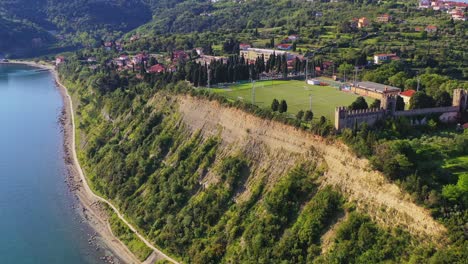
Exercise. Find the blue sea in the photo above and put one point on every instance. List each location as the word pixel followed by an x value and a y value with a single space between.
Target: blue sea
pixel 38 222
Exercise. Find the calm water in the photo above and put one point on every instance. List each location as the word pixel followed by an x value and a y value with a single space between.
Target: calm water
pixel 37 221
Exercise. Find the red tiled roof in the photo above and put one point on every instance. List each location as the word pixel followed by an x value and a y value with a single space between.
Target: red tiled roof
pixel 408 93
pixel 284 46
pixel 158 68
pixel 465 126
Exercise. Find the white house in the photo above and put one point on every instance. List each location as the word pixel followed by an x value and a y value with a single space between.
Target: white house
pixel 383 57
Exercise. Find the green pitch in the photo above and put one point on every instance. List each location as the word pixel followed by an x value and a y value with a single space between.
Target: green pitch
pixel 296 94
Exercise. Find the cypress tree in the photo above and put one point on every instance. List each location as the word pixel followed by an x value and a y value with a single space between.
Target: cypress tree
pixel 275 105
pixel 283 107
pixel 300 115
pixel 309 115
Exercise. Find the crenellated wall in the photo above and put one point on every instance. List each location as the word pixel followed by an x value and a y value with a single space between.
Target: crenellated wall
pixel 345 118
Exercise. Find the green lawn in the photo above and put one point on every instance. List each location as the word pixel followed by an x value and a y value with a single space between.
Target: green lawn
pixel 296 94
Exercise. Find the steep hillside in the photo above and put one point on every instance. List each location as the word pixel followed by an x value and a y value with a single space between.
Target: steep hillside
pixel 209 183
pixel 372 192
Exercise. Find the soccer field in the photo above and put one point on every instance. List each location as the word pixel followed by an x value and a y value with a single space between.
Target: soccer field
pixel 296 94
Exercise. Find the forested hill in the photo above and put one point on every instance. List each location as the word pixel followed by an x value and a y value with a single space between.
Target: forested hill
pixel 15 35
pixel 79 15
pixel 26 21
pixel 101 19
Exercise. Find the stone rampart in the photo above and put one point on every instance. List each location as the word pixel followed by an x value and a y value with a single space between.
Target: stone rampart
pixel 345 118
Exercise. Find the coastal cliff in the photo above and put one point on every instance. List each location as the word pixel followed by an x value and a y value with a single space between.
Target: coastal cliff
pixel 211 183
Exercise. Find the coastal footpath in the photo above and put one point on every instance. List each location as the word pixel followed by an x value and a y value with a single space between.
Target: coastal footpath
pixel 92 204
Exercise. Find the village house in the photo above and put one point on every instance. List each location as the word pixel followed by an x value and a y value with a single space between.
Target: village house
pixel 374 90
pixel 363 22
pixel 418 29
pixel 123 57
pixel 119 63
pixel 140 58
pixel 406 95
pixel 450 6
pixel 244 46
pixel 179 55
pixel 59 60
pixel 158 68
pixel 91 59
pixel 424 4
pixel 199 51
pixel 284 46
pixel 431 29
pixel 206 59
pixel 458 15
pixel 293 37
pixel 384 57
pixel 118 46
pixel 252 54
pixel 385 18
pixel 108 45
pixel 134 37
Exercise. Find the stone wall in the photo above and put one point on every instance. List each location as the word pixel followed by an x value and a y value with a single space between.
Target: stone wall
pixel 345 118
pixel 427 111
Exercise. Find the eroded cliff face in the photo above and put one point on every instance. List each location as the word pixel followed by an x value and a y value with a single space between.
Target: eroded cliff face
pixel 274 148
pixel 213 184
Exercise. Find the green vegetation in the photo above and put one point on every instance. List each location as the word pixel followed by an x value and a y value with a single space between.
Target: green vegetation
pixel 18 36
pixel 359 240
pixel 129 238
pixel 181 189
pixel 360 103
pixel 32 27
pixel 428 164
pixel 296 94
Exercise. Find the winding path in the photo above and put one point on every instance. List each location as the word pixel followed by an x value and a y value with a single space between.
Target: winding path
pixel 85 182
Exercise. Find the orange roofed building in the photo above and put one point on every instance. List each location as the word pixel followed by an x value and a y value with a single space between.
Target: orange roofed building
pixel 363 22
pixel 406 95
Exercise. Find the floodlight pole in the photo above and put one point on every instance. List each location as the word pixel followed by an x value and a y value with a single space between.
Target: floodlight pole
pixel 313 68
pixel 253 92
pixel 355 75
pixel 310 102
pixel 307 68
pixel 209 77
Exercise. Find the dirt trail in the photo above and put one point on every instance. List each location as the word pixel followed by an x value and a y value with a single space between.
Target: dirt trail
pixel 86 190
pixel 373 194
